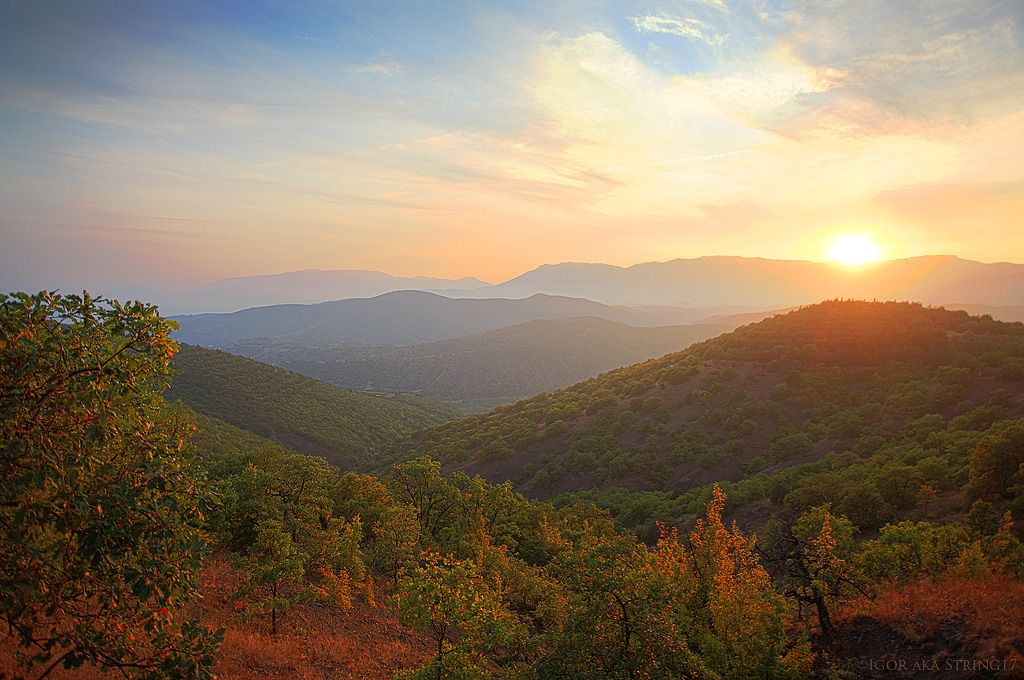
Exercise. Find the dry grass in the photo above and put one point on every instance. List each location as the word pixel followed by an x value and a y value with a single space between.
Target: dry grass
pixel 942 621
pixel 313 643
pixel 990 612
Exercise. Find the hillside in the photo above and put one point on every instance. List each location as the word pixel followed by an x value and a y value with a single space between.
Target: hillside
pixel 399 318
pixel 303 414
pixel 500 365
pixel 862 404
pixel 884 439
pixel 214 438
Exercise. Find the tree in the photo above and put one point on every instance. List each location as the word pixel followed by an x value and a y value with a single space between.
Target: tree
pixel 997 465
pixel 396 536
pixel 737 627
pixel 700 608
pixel 279 521
pixel 100 498
pixel 465 616
pixel 419 483
pixel 909 550
pixel 619 620
pixel 925 497
pixel 812 558
pixel 274 568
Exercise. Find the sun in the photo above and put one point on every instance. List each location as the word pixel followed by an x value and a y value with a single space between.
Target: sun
pixel 854 250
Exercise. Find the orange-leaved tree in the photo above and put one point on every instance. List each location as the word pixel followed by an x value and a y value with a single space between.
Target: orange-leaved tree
pixel 696 607
pixel 737 616
pixel 812 558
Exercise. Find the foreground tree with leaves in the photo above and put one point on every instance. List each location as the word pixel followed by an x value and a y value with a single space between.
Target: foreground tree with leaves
pixel 700 607
pixel 465 616
pixel 100 499
pixel 279 520
pixel 738 615
pixel 812 558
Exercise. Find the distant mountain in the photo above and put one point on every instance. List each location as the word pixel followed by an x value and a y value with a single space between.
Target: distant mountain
pixel 680 291
pixel 718 281
pixel 303 414
pixel 1012 313
pixel 302 287
pixel 498 365
pixel 736 320
pixel 399 318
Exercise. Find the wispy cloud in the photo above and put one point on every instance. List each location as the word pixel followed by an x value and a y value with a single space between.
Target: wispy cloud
pixel 919 59
pixel 687 28
pixel 380 66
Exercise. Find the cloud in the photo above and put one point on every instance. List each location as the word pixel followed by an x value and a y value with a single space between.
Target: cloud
pixel 687 28
pixel 610 110
pixel 918 59
pixel 603 131
pixel 381 66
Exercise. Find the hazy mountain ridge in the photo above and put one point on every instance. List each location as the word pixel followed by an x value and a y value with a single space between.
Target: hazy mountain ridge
pixel 398 318
pixel 503 364
pixel 307 286
pixel 721 281
pixel 759 282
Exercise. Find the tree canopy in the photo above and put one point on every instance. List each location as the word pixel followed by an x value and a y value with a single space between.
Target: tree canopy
pixel 100 498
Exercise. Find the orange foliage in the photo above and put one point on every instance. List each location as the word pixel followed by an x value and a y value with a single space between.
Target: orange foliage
pixel 986 613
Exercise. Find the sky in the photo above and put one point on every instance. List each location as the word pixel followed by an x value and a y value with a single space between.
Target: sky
pixel 171 144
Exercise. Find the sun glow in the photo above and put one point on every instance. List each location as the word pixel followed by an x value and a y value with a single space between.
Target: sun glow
pixel 854 250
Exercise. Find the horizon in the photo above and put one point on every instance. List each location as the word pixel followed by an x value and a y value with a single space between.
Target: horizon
pixel 170 147
pixel 839 265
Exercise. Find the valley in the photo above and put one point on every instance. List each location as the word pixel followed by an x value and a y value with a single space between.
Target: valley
pixel 880 441
pixel 494 367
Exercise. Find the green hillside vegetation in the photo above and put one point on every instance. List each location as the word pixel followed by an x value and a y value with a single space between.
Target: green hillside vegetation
pixel 107 513
pixel 505 364
pixel 878 408
pixel 216 439
pixel 507 587
pixel 303 414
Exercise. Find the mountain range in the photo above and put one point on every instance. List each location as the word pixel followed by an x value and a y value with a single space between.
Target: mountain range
pixel 480 345
pixel 758 282
pixel 307 286
pixel 398 318
pixel 746 284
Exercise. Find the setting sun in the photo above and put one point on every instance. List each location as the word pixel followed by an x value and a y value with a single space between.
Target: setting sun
pixel 854 250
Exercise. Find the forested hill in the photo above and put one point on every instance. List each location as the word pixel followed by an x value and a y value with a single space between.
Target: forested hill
pixel 498 365
pixel 859 403
pixel 305 415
